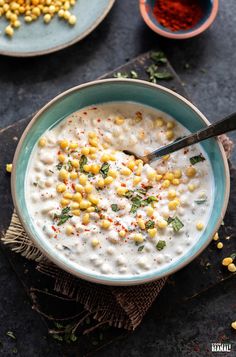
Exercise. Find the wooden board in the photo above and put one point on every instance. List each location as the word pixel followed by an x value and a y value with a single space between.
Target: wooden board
pixel 202 274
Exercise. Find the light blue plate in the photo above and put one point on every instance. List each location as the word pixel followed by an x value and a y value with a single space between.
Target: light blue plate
pixel 119 90
pixel 37 38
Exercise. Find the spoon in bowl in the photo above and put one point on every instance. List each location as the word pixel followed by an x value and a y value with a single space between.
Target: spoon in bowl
pixel 221 127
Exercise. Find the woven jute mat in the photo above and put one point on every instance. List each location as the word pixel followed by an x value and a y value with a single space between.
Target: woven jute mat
pixel 122 307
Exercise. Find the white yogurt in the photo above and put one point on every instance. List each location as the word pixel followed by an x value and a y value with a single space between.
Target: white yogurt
pixel 107 212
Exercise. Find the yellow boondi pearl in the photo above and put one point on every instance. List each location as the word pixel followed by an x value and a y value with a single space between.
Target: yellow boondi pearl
pixel 162 224
pixel 95 242
pixel 190 171
pixel 232 268
pixel 199 226
pixel 42 142
pixel 227 261
pixel 138 238
pixel 152 232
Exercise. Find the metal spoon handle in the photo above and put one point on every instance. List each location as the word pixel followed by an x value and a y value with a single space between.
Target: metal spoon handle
pixel 218 128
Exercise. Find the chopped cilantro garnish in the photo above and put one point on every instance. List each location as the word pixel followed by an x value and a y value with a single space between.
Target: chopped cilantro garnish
pixel 154 73
pixel 129 194
pixel 11 334
pixel 104 169
pixel 149 224
pixel 195 159
pixel 69 166
pixel 83 161
pixel 91 174
pixel 149 200
pixel 136 204
pixel 140 248
pixel 158 57
pixel 121 75
pixel 175 223
pixel 115 207
pixel 64 216
pixel 133 74
pixel 57 337
pixel 141 191
pixel 160 244
pixel 59 166
pixel 233 256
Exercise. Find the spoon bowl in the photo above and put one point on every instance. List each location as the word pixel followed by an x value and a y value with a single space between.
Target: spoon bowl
pixel 221 127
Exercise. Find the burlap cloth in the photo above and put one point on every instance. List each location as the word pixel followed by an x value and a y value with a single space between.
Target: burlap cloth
pixel 122 307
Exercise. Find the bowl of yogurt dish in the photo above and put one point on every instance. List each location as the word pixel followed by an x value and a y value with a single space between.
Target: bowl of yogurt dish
pixel 103 215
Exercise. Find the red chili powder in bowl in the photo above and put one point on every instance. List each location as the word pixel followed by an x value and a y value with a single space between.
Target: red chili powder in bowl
pixel 178 15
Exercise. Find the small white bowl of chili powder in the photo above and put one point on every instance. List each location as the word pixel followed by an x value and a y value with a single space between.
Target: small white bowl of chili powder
pixel 179 19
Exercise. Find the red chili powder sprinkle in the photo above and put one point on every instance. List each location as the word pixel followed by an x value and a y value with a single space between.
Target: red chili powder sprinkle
pixel 178 15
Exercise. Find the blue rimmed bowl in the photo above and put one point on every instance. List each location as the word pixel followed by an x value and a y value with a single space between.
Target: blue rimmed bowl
pixel 111 90
pixel 210 10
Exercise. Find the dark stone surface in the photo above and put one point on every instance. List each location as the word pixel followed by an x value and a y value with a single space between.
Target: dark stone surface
pixel 25 85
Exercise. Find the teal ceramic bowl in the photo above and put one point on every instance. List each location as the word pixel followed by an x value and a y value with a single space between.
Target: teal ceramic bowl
pixel 103 91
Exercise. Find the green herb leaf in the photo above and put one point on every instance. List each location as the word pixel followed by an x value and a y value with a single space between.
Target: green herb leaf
pixel 58 325
pixel 104 169
pixel 154 74
pixel 136 200
pixel 140 248
pixel 233 256
pixel 163 75
pixel 64 216
pixel 158 57
pixel 57 337
pixel 134 207
pixel 73 337
pixel 121 75
pixel 69 166
pixel 83 161
pixel 129 194
pixel 195 159
pixel 200 202
pixel 141 191
pixel 133 74
pixel 11 334
pixel 89 174
pixel 160 244
pixel 115 207
pixel 175 223
pixel 149 200
pixel 149 224
pixel 59 166
pixel 65 210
